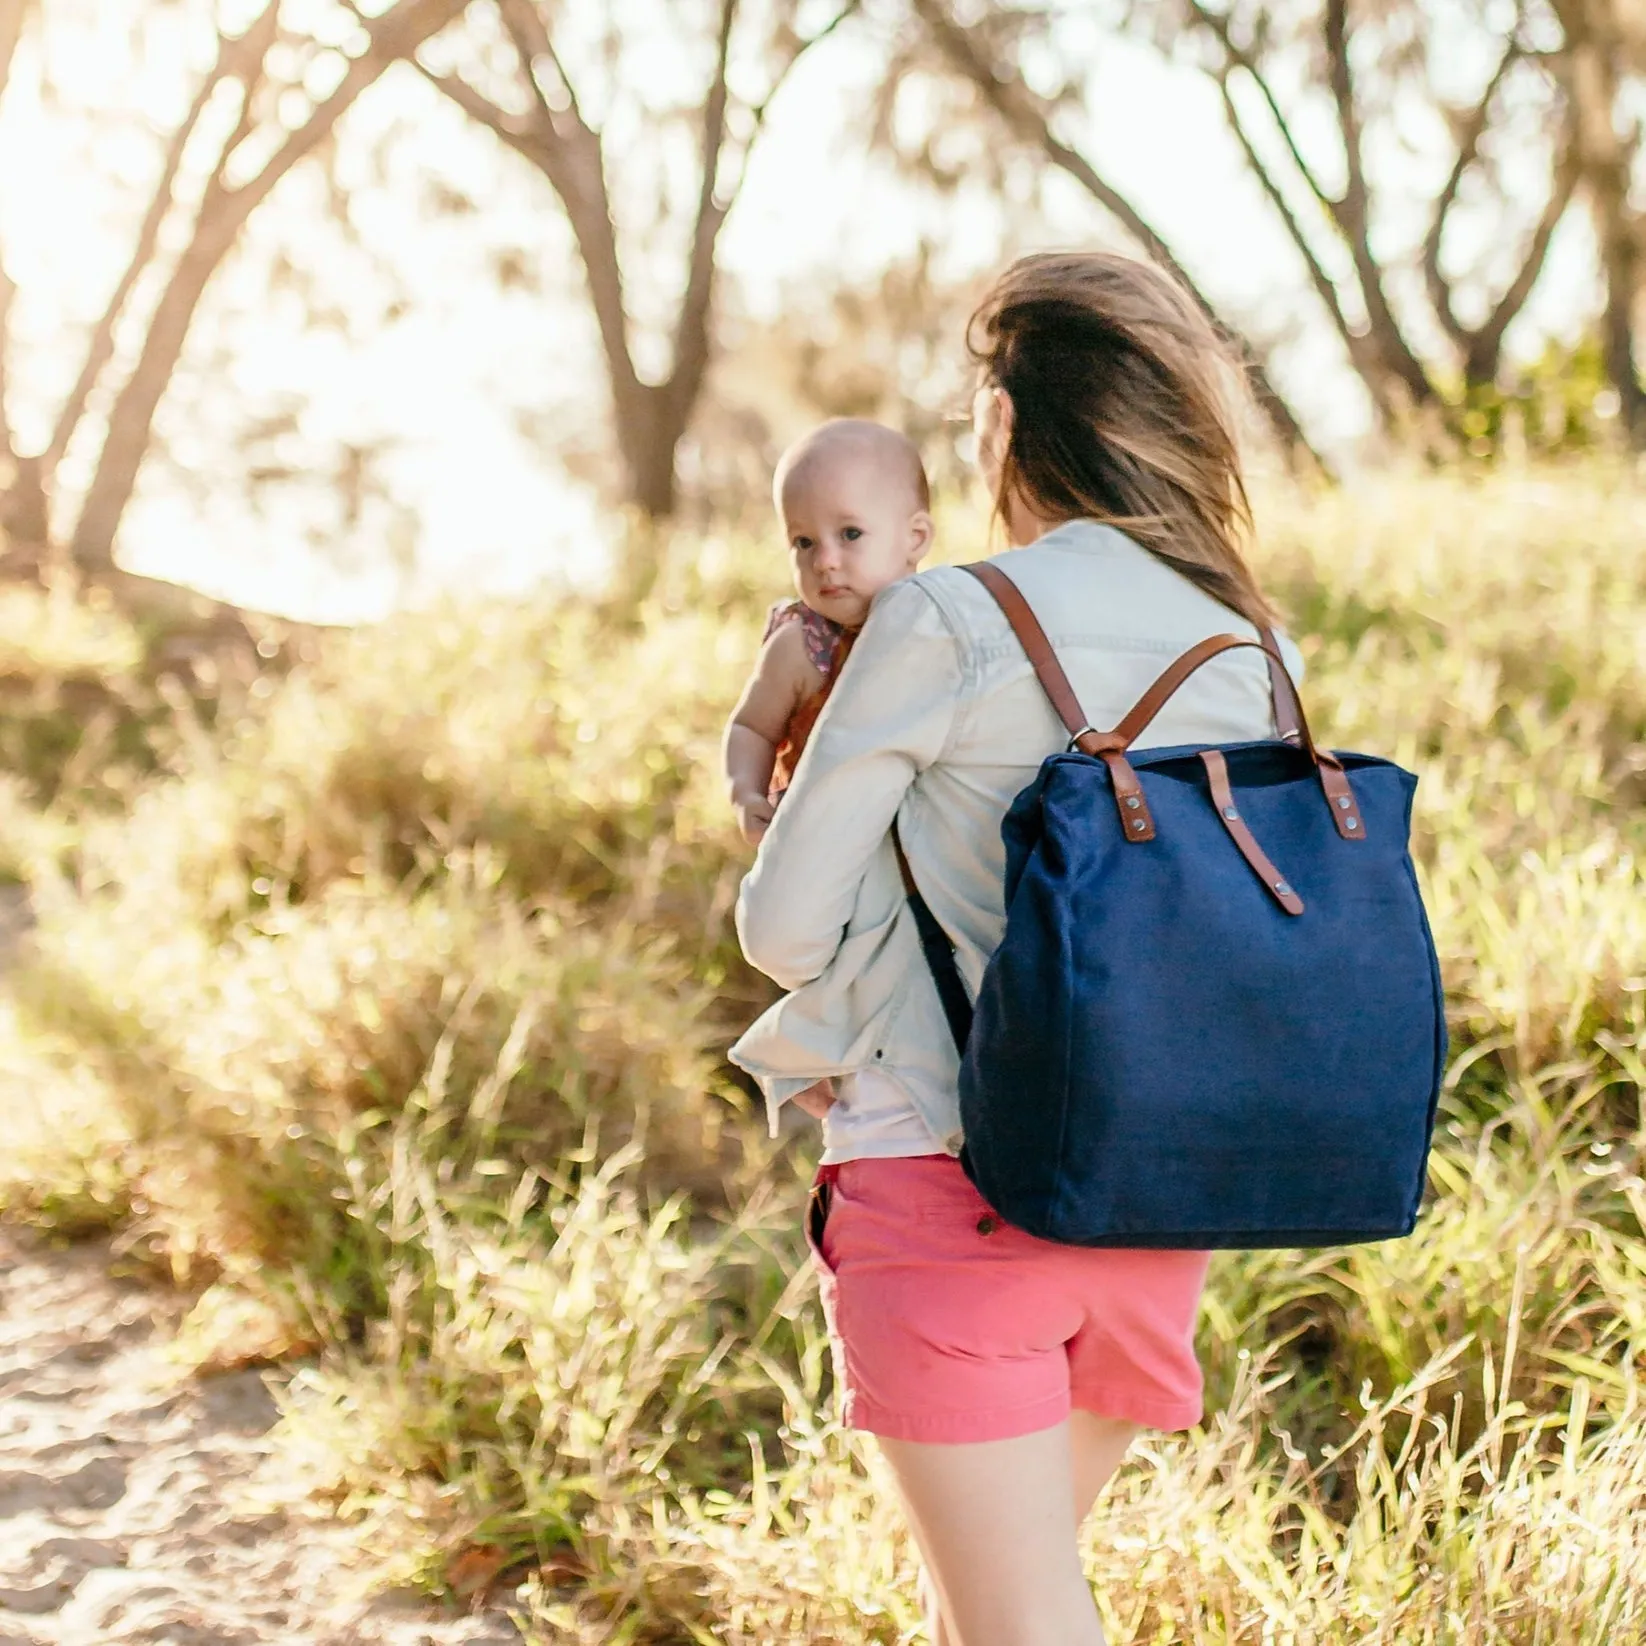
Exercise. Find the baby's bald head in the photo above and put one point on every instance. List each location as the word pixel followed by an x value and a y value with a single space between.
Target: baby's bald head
pixel 856 513
pixel 846 445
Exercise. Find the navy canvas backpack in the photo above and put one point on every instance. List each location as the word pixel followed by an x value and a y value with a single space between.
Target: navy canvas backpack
pixel 1215 1018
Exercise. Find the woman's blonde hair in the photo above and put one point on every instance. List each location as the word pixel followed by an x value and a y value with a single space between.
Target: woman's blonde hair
pixel 1120 390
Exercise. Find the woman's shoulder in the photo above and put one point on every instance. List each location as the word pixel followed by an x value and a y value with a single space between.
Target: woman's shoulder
pixel 1090 586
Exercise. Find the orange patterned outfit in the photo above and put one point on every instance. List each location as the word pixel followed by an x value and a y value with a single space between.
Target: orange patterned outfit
pixel 827 645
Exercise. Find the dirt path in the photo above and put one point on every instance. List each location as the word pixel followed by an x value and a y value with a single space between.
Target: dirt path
pixel 128 1511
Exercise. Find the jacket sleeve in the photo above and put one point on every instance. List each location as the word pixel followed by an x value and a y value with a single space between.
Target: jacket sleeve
pixel 887 719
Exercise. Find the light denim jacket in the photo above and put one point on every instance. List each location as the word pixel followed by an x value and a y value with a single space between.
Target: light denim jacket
pixel 938 721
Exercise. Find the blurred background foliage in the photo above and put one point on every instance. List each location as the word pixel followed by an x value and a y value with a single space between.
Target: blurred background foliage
pixel 371 981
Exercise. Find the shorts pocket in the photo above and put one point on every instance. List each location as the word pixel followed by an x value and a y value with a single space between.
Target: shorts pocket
pixel 818 1204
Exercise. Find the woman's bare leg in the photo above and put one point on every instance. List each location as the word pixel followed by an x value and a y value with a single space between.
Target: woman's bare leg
pixel 938 1631
pixel 1096 1446
pixel 995 1520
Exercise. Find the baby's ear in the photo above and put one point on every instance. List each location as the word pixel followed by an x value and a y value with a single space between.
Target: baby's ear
pixel 921 533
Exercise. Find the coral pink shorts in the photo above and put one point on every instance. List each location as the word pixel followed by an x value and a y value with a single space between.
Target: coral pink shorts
pixel 949 1325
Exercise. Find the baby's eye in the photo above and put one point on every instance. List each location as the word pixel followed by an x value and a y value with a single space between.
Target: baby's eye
pixel 852 533
pixel 801 544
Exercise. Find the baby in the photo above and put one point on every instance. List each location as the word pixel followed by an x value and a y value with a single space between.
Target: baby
pixel 855 507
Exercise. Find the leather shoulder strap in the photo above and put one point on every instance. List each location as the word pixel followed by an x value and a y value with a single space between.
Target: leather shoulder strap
pixel 1288 709
pixel 1111 746
pixel 1032 638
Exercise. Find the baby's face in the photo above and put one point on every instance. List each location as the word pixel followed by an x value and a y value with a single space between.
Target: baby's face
pixel 853 530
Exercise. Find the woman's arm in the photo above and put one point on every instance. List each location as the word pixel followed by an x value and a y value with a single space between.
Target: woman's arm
pixel 888 718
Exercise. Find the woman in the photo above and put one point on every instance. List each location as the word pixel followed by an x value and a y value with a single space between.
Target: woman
pixel 1005 1376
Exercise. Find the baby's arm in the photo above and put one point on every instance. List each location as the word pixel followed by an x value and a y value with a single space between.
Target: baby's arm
pixel 783 678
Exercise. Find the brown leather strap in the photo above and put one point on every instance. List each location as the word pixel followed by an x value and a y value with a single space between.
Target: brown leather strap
pixel 1136 720
pixel 1288 709
pixel 1032 638
pixel 1136 821
pixel 1341 798
pixel 1334 781
pixel 1290 725
pixel 1274 882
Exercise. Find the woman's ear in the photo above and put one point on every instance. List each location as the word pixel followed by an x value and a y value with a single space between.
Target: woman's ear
pixel 992 414
pixel 1005 418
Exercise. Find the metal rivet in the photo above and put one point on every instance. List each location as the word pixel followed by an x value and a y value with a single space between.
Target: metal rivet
pixel 1230 812
pixel 1133 801
pixel 1353 823
pixel 1343 802
pixel 1139 824
pixel 986 1225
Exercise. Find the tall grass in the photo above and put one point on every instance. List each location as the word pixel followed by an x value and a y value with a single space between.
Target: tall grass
pixel 384 1009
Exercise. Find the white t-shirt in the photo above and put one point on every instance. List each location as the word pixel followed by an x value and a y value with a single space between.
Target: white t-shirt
pixel 873 1118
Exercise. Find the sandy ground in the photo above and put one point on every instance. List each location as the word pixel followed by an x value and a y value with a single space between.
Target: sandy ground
pixel 129 1510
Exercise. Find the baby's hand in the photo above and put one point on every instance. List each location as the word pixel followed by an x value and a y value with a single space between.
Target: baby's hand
pixel 816 1100
pixel 754 816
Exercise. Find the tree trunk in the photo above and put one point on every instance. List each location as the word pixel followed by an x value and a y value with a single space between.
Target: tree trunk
pixel 394 33
pixel 652 488
pixel 131 419
pixel 648 442
pixel 1621 260
pixel 1593 49
pixel 648 439
pixel 1617 235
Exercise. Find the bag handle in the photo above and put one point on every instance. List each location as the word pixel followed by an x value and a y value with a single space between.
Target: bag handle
pixel 1136 821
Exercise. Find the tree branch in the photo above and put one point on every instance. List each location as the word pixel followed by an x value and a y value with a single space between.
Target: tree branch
pixel 758 111
pixel 100 348
pixel 518 131
pixel 1016 106
pixel 568 153
pixel 249 69
pixel 395 33
pixel 1484 346
pixel 801 47
pixel 1468 150
pixel 1352 209
pixel 691 331
pixel 1325 288
pixel 532 40
pixel 1218 24
pixel 691 334
pixel 13 14
pixel 1012 101
pixel 1352 214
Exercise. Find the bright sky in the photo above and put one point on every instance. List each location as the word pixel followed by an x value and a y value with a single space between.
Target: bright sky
pixel 460 388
